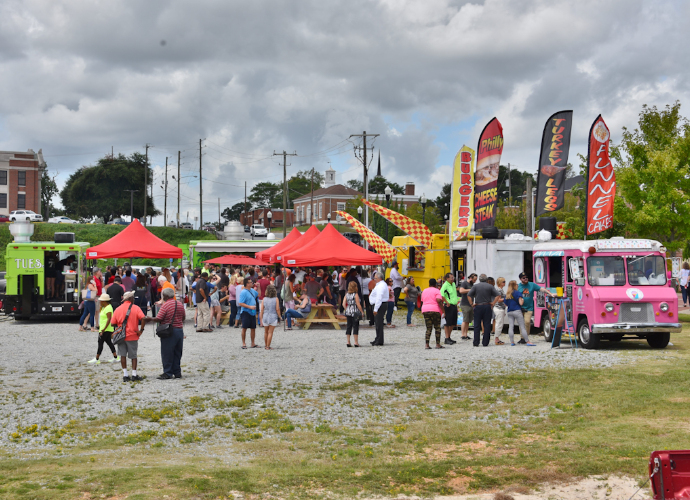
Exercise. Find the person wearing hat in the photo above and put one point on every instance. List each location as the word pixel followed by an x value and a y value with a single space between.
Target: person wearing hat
pixel 526 288
pixel 133 330
pixel 105 330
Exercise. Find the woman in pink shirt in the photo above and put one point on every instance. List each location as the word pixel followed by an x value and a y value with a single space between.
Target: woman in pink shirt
pixel 432 305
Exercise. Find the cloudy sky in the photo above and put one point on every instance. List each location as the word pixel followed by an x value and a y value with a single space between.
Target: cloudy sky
pixel 81 76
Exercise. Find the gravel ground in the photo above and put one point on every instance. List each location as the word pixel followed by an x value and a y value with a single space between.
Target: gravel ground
pixel 46 381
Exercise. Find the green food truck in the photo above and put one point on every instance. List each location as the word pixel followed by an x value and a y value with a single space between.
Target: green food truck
pixel 44 278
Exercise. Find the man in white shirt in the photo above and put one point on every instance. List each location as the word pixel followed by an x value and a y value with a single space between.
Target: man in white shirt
pixel 299 275
pixel 397 283
pixel 379 304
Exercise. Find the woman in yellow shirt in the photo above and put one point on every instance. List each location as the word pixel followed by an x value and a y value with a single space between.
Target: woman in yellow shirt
pixel 105 330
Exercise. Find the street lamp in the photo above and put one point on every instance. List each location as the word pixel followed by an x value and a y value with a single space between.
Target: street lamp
pixel 422 200
pixel 359 213
pixel 388 205
pixel 269 216
pixel 328 216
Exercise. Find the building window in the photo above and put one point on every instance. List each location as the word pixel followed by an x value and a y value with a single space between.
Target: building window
pixel 21 178
pixel 321 210
pixel 3 200
pixel 341 206
pixel 3 177
pixel 314 210
pixel 21 201
pixel 308 214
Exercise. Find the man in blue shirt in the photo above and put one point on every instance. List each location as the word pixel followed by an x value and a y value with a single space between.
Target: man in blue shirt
pixel 248 304
pixel 527 289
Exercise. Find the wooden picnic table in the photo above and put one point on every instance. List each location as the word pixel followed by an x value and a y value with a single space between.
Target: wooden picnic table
pixel 321 313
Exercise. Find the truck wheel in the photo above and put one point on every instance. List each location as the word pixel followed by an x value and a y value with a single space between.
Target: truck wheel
pixel 659 340
pixel 588 340
pixel 548 331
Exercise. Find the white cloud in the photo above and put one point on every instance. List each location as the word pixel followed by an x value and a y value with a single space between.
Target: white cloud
pixel 79 77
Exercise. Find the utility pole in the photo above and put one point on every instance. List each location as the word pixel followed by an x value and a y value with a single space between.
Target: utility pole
pixel 528 206
pixel 201 191
pixel 245 203
pixel 131 202
pixel 285 188
pixel 146 182
pixel 311 203
pixel 510 197
pixel 165 203
pixel 218 212
pixel 365 187
pixel 178 189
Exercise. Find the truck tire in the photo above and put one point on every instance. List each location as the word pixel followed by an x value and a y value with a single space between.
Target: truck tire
pixel 588 340
pixel 659 340
pixel 548 331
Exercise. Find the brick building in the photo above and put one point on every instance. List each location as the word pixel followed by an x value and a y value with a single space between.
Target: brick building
pixel 20 180
pixel 258 216
pixel 334 197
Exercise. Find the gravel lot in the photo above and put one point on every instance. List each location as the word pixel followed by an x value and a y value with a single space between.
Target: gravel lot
pixel 46 381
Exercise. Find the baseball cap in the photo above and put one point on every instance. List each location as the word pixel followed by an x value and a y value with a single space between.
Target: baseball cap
pixel 522 275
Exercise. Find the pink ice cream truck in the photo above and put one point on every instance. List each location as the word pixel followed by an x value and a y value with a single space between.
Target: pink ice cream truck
pixel 617 288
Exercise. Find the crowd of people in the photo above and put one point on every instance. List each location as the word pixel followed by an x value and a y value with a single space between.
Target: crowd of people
pixel 253 296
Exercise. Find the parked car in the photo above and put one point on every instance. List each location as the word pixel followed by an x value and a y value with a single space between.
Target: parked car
pixel 210 229
pixel 22 215
pixel 62 220
pixel 172 223
pixel 353 237
pixel 247 229
pixel 186 225
pixel 119 222
pixel 4 218
pixel 258 230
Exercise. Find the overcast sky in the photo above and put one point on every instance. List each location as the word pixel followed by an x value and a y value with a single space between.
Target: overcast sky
pixel 249 78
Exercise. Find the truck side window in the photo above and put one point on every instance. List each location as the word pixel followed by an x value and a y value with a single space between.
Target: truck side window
pixel 555 271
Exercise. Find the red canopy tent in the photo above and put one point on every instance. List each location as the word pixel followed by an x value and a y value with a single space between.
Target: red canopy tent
pixel 134 241
pixel 268 255
pixel 331 248
pixel 305 239
pixel 235 260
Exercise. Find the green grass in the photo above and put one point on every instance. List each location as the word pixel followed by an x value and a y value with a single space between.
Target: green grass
pixel 450 435
pixel 99 233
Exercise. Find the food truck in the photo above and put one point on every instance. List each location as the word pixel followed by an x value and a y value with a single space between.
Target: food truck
pixel 617 288
pixel 35 267
pixel 419 262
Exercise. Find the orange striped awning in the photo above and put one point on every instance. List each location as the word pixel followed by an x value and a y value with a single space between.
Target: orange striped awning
pixel 416 229
pixel 382 247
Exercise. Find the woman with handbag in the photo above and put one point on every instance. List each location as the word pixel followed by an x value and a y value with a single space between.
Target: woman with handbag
pixel 170 318
pixel 88 295
pixel 353 312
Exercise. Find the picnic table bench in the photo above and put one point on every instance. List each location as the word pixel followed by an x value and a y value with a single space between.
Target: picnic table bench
pixel 321 313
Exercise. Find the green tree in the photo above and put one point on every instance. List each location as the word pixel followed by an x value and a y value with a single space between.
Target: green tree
pixel 355 184
pixel 653 177
pixel 377 185
pixel 99 190
pixel 266 194
pixel 233 213
pixel 443 200
pixel 518 183
pixel 300 185
pixel 48 190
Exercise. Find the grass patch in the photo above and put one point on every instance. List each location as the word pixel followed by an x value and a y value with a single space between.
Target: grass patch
pixel 453 435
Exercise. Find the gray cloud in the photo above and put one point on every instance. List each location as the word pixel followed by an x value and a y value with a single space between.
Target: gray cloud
pixel 252 77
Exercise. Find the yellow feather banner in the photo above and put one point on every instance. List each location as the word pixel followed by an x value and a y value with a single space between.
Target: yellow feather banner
pixel 417 230
pixel 382 247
